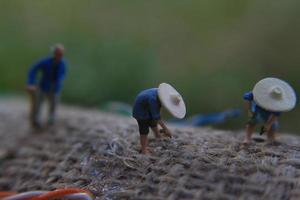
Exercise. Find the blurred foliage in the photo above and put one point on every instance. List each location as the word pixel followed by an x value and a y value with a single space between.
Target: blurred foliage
pixel 212 51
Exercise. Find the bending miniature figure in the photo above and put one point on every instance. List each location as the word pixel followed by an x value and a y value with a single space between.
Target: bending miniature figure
pixel 147 109
pixel 53 70
pixel 269 98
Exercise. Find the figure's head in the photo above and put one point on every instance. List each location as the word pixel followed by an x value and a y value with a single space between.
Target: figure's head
pixel 58 51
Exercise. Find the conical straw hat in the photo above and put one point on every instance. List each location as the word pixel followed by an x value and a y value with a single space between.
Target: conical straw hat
pixel 171 100
pixel 274 95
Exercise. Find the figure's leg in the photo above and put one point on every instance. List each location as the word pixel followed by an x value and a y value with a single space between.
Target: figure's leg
pixel 250 128
pixel 53 103
pixel 36 103
pixel 271 134
pixel 32 111
pixel 249 131
pixel 155 129
pixel 144 130
pixel 144 144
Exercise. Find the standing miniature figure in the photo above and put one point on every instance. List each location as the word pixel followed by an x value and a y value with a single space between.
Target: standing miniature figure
pixel 53 70
pixel 147 108
pixel 269 98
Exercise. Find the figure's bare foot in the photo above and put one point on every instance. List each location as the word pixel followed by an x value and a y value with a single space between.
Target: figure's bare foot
pixel 146 152
pixel 273 141
pixel 247 141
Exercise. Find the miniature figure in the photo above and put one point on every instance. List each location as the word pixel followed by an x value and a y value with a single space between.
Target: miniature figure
pixel 269 98
pixel 147 108
pixel 53 70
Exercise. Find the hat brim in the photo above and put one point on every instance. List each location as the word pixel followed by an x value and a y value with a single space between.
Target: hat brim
pixel 164 93
pixel 263 98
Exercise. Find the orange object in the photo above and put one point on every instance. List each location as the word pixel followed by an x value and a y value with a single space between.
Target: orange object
pixel 6 194
pixel 59 193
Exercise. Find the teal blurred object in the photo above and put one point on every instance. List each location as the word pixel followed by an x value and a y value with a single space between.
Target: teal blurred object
pixel 117 108
pixel 209 119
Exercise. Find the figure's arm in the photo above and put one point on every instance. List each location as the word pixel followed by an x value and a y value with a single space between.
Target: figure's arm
pixel 32 73
pixel 155 114
pixel 166 131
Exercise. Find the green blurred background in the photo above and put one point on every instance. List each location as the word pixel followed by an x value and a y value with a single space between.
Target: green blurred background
pixel 212 51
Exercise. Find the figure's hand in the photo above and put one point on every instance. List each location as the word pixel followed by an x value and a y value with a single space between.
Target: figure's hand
pixel 31 88
pixel 167 133
pixel 266 128
pixel 164 129
pixel 262 131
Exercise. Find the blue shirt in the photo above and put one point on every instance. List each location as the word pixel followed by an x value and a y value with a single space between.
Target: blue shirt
pixel 52 75
pixel 257 109
pixel 147 105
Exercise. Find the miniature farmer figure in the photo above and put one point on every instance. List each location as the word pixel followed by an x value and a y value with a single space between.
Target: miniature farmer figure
pixel 147 108
pixel 52 72
pixel 269 98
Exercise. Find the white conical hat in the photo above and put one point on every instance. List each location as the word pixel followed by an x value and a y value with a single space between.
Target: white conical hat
pixel 171 100
pixel 274 95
